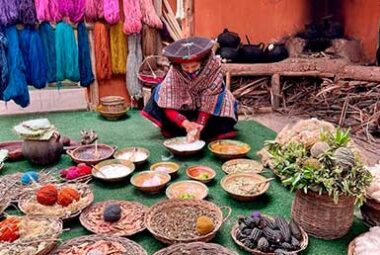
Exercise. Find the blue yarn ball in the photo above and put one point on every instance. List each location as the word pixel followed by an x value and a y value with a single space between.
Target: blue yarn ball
pixel 29 177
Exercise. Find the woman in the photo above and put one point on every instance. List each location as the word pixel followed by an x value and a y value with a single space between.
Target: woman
pixel 192 100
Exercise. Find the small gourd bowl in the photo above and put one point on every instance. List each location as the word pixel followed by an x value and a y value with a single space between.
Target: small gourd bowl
pixel 165 167
pixel 197 190
pixel 138 179
pixel 227 149
pixel 131 151
pixel 195 173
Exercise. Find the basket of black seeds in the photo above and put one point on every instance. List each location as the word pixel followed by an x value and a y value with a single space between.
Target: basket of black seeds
pixel 264 235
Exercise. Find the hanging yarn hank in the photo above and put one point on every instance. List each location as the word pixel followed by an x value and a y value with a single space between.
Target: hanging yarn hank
pixel 17 88
pixel 102 52
pixel 8 12
pixel 76 13
pixel 133 62
pixel 133 16
pixel 34 57
pixel 27 12
pixel 86 74
pixel 119 49
pixel 149 15
pixel 3 63
pixel 111 11
pixel 67 53
pixel 48 10
pixel 149 41
pixel 48 40
pixel 94 10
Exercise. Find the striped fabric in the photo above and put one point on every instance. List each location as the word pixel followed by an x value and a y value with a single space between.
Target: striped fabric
pixel 206 92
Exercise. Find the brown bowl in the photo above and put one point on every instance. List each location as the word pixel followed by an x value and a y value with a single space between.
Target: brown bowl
pixel 130 155
pixel 197 190
pixel 248 197
pixel 138 179
pixel 229 149
pixel 174 146
pixel 242 166
pixel 14 149
pixel 86 153
pixel 165 167
pixel 195 172
pixel 97 170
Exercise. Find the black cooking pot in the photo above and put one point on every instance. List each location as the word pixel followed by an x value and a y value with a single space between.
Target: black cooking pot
pixel 228 39
pixel 252 53
pixel 229 54
pixel 276 52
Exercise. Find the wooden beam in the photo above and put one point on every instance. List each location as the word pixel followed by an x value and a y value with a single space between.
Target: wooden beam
pixel 188 21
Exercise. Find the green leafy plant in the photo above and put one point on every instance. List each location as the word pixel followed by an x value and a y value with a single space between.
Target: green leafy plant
pixel 300 171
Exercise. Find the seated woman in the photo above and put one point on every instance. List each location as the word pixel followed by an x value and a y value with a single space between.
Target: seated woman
pixel 192 100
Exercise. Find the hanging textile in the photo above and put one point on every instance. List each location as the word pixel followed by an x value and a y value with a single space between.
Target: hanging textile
pixel 8 12
pixel 149 15
pixel 34 57
pixel 27 12
pixel 133 62
pixel 86 75
pixel 67 53
pixel 94 10
pixel 132 13
pixel 119 49
pixel 3 63
pixel 48 10
pixel 48 41
pixel 102 52
pixel 17 88
pixel 111 11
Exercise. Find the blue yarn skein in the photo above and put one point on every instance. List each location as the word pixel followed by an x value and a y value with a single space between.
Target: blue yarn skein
pixel 85 68
pixel 47 34
pixel 4 72
pixel 67 53
pixel 29 177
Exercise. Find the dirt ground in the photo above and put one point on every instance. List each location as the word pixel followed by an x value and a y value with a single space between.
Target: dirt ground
pixel 277 121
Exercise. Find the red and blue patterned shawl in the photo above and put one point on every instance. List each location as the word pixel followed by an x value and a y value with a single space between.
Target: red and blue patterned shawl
pixel 206 92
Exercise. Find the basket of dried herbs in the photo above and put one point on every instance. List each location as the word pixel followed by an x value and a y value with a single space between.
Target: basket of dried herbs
pixel 185 221
pixel 29 235
pixel 329 178
pixel 263 235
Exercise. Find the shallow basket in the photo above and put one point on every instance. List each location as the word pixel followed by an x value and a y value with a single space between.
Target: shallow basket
pixel 320 217
pixel 131 247
pixel 136 215
pixel 158 214
pixel 303 243
pixel 5 201
pixel 153 69
pixel 198 248
pixel 81 154
pixel 371 212
pixel 112 104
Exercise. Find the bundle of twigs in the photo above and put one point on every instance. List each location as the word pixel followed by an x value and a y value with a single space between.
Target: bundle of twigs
pixel 350 104
pixel 253 93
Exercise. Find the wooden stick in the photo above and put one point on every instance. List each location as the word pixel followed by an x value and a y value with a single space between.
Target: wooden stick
pixel 188 21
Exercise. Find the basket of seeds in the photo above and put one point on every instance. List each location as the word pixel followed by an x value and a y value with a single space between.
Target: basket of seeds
pixel 65 201
pixel 185 221
pixel 99 244
pixel 263 235
pixel 29 235
pixel 198 248
pixel 117 218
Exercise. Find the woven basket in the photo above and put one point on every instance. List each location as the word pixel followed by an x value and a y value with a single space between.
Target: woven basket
pixel 320 217
pixel 5 201
pixel 197 248
pixel 43 244
pixel 112 104
pixel 371 212
pixel 178 211
pixel 153 70
pixel 131 247
pixel 27 203
pixel 303 243
pixel 133 214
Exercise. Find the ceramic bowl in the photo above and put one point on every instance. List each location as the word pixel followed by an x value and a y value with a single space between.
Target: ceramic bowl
pixel 203 174
pixel 150 181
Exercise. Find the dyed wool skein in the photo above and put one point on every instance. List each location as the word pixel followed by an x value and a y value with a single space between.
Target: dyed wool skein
pixel 4 71
pixel 47 34
pixel 85 69
pixel 133 16
pixel 94 10
pixel 17 88
pixel 8 12
pixel 77 10
pixel 133 62
pixel 34 57
pixel 27 12
pixel 48 10
pixel 111 11
pixel 119 49
pixel 149 15
pixel 102 52
pixel 67 53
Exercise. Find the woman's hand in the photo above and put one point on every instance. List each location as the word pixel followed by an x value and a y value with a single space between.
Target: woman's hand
pixel 193 130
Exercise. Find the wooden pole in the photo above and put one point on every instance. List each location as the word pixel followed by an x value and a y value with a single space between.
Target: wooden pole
pixel 275 91
pixel 188 21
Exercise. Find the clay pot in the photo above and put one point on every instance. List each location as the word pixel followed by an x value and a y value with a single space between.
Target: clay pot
pixel 43 152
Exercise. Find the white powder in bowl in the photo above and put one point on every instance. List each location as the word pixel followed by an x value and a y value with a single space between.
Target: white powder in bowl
pixel 134 156
pixel 185 146
pixel 113 171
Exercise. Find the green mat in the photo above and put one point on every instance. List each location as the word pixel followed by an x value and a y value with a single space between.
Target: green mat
pixel 136 131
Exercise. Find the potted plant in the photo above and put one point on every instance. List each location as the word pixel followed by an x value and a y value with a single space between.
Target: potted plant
pixel 328 177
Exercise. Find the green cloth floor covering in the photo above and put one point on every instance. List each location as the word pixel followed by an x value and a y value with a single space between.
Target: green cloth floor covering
pixel 136 131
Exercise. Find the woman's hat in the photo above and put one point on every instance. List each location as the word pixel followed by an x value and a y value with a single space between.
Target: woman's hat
pixel 188 49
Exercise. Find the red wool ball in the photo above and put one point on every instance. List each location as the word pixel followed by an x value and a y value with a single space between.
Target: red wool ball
pixel 47 195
